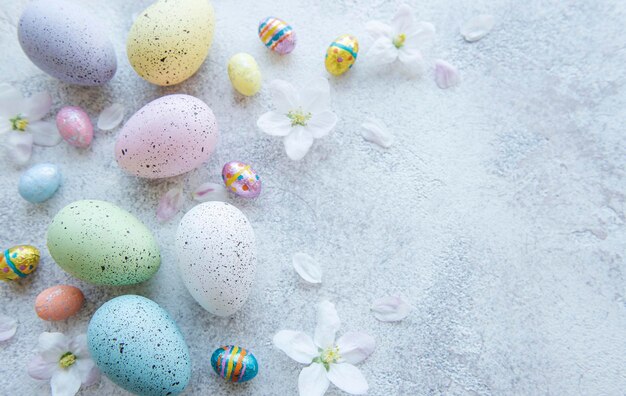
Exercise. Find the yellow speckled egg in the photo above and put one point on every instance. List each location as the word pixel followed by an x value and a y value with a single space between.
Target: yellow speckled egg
pixel 341 54
pixel 244 74
pixel 170 39
pixel 18 261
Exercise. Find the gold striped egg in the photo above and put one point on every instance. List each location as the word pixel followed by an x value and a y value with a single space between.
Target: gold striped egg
pixel 18 261
pixel 277 35
pixel 341 54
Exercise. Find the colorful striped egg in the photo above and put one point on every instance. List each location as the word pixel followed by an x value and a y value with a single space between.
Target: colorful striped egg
pixel 18 261
pixel 241 179
pixel 277 35
pixel 341 54
pixel 234 363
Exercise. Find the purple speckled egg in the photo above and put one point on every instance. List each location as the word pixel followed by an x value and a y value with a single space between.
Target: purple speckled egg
pixel 241 179
pixel 66 42
pixel 167 137
pixel 75 126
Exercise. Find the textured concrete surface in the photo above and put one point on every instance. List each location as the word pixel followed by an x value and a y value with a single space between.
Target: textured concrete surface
pixel 499 212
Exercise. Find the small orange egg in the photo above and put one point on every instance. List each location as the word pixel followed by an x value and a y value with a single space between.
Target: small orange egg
pixel 59 302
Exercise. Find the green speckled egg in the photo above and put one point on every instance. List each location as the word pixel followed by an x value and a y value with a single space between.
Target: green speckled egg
pixel 102 244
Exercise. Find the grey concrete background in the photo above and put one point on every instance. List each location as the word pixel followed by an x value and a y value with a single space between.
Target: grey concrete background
pixel 499 212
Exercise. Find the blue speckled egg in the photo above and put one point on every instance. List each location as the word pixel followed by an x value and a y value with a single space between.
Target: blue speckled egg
pixel 39 183
pixel 135 343
pixel 234 363
pixel 66 42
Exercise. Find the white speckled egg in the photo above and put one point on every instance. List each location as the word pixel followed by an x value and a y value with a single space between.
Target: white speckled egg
pixel 167 137
pixel 216 250
pixel 66 42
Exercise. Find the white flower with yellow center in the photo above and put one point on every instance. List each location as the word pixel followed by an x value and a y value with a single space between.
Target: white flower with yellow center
pixel 328 361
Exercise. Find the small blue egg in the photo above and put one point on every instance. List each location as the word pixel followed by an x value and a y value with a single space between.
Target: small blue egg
pixel 39 183
pixel 234 363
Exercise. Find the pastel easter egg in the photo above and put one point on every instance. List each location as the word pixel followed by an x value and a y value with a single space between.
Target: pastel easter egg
pixel 234 363
pixel 59 302
pixel 277 35
pixel 341 54
pixel 67 42
pixel 167 137
pixel 241 179
pixel 75 126
pixel 39 183
pixel 18 262
pixel 216 250
pixel 102 244
pixel 170 39
pixel 137 345
pixel 244 74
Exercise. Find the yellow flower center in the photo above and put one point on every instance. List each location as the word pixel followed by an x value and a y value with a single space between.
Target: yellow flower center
pixel 299 117
pixel 19 123
pixel 399 40
pixel 330 355
pixel 67 360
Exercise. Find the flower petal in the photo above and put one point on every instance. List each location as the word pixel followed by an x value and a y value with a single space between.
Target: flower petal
pixel 315 96
pixel 307 267
pixel 78 346
pixel 355 347
pixel 403 20
pixel 41 369
pixel 210 192
pixel 11 101
pixel 53 345
pixel 391 308
pixel 274 124
pixel 321 124
pixel 296 344
pixel 382 52
pixel 348 378
pixel 284 96
pixel 45 133
pixel 421 36
pixel 37 106
pixel 111 117
pixel 377 29
pixel 87 371
pixel 477 27
pixel 313 381
pixel 327 325
pixel 19 146
pixel 376 131
pixel 65 382
pixel 298 143
pixel 170 204
pixel 412 61
pixel 8 327
pixel 446 75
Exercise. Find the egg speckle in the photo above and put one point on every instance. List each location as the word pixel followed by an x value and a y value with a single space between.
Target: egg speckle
pixel 216 250
pixel 59 302
pixel 75 126
pixel 39 183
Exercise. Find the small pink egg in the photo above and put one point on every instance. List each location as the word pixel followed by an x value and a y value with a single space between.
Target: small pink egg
pixel 59 302
pixel 241 179
pixel 75 126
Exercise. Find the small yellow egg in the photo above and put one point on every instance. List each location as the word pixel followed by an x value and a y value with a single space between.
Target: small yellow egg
pixel 341 54
pixel 18 261
pixel 244 74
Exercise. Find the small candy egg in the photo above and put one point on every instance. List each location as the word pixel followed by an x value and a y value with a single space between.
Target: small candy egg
pixel 241 179
pixel 234 363
pixel 75 126
pixel 244 74
pixel 277 35
pixel 39 183
pixel 18 261
pixel 341 54
pixel 59 302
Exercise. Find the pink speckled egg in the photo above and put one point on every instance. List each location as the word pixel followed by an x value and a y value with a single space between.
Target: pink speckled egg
pixel 241 179
pixel 75 126
pixel 167 137
pixel 59 302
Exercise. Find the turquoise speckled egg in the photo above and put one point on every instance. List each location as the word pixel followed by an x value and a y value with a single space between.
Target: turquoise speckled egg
pixel 135 343
pixel 234 363
pixel 39 183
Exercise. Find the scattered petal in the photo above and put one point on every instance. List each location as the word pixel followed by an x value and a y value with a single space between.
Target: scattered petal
pixel 391 308
pixel 111 117
pixel 170 204
pixel 19 146
pixel 376 131
pixel 477 27
pixel 296 344
pixel 307 268
pixel 446 75
pixel 8 327
pixel 355 347
pixel 45 133
pixel 348 378
pixel 327 325
pixel 313 380
pixel 298 143
pixel 210 192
